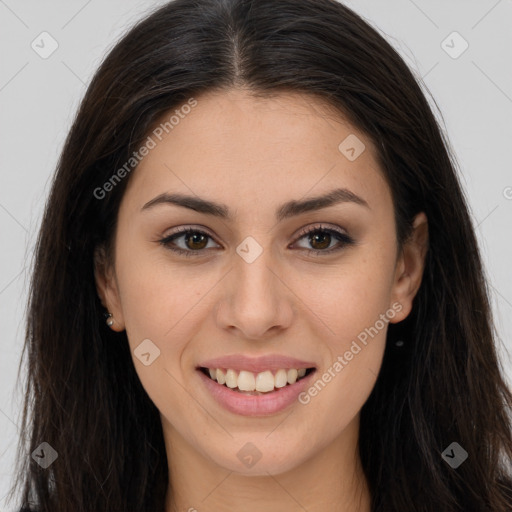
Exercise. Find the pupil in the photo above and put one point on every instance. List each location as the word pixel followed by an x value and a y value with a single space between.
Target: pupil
pixel 318 237
pixel 325 236
pixel 193 236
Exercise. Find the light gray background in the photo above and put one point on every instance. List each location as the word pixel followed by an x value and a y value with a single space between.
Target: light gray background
pixel 38 99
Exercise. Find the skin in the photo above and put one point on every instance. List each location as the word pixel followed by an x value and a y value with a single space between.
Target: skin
pixel 253 154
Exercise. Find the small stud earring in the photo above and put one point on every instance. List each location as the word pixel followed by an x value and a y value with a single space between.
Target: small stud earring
pixel 110 320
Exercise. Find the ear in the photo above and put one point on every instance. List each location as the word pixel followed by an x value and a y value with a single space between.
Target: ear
pixel 409 267
pixel 106 285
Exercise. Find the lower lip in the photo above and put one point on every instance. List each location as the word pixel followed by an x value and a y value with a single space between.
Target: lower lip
pixel 255 405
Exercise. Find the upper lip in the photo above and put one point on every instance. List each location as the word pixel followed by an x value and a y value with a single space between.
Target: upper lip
pixel 240 362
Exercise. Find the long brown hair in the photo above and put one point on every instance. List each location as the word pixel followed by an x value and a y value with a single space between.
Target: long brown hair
pixel 441 384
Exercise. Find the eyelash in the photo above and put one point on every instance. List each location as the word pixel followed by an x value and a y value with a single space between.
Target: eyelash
pixel 345 240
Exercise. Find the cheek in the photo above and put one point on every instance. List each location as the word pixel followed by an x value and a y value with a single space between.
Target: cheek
pixel 335 398
pixel 158 305
pixel 353 303
pixel 158 297
pixel 166 304
pixel 353 359
pixel 349 296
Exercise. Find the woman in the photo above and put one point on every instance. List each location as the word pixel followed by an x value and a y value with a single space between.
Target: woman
pixel 257 284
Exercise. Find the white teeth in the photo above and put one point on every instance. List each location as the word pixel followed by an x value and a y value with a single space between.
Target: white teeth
pixel 246 381
pixel 221 378
pixel 281 378
pixel 262 382
pixel 231 379
pixel 292 375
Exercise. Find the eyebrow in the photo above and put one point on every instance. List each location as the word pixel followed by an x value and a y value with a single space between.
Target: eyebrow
pixel 285 211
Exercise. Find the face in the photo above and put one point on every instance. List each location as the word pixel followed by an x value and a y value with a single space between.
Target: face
pixel 275 284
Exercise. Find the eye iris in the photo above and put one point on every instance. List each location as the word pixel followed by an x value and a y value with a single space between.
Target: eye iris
pixel 195 240
pixel 189 236
pixel 321 235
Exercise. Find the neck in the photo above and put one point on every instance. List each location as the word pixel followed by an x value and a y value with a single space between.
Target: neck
pixel 330 481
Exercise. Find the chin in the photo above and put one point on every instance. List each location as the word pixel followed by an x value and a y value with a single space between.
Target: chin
pixel 251 458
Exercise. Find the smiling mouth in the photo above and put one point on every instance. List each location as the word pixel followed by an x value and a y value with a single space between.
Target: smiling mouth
pixel 249 383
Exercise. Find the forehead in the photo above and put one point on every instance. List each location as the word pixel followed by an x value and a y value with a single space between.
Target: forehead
pixel 266 149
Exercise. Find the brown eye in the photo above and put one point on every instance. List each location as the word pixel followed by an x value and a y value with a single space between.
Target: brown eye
pixel 320 239
pixel 194 242
pixel 323 240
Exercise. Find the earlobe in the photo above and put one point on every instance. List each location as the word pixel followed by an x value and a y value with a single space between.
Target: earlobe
pixel 410 267
pixel 107 289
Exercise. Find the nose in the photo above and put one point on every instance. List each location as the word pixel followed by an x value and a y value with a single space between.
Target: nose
pixel 256 303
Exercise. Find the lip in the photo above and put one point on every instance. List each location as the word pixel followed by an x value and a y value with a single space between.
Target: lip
pixel 240 362
pixel 256 405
